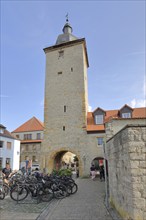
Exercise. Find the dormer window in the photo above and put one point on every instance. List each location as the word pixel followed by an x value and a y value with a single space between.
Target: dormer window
pixel 126 115
pixel 126 112
pixel 98 119
pixel 99 115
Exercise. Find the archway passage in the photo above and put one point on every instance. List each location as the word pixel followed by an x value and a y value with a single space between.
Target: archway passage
pixel 98 161
pixel 66 160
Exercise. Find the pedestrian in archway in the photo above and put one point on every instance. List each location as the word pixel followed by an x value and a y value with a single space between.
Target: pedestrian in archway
pixel 93 173
pixel 77 172
pixel 102 175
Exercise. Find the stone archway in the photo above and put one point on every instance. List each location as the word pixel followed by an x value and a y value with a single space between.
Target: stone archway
pixel 98 161
pixel 55 158
pixel 64 159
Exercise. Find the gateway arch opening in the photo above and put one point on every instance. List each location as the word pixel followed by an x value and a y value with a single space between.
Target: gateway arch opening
pixel 66 160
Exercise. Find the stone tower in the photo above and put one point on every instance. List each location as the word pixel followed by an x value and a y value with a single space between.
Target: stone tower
pixel 66 101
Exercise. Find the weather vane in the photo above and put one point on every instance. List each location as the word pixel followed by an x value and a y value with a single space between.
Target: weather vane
pixel 66 17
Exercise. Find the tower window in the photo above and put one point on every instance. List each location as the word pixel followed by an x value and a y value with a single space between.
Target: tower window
pixel 59 73
pixel 63 128
pixel 64 108
pixel 61 53
pixel 71 69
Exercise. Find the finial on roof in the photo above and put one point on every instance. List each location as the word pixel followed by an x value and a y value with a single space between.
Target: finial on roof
pixel 66 17
pixel 67 33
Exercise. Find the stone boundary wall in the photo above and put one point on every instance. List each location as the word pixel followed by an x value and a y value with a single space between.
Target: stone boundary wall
pixel 126 154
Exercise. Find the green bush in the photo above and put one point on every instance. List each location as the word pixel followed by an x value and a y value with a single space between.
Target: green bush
pixel 62 172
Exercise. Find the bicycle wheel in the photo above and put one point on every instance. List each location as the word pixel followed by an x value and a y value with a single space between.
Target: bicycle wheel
pixel 19 193
pixel 2 194
pixel 69 190
pixel 6 189
pixel 60 192
pixel 45 194
pixel 74 188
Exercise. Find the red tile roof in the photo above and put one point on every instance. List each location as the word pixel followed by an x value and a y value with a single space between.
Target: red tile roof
pixel 36 125
pixel 32 124
pixel 92 127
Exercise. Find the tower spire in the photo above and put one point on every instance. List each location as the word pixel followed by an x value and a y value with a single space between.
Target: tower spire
pixel 67 33
pixel 67 27
pixel 66 17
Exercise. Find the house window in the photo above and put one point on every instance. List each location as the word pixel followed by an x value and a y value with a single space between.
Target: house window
pixel 17 136
pixel 9 145
pixel 61 53
pixel 1 144
pixel 100 141
pixel 27 136
pixel 71 69
pixel 38 136
pixel 8 160
pixel 98 119
pixel 34 147
pixel 33 158
pixel 63 128
pixel 126 115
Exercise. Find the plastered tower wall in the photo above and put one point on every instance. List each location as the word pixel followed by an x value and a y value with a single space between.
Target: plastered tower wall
pixel 66 103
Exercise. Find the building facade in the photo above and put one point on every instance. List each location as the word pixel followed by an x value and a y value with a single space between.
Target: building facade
pixel 30 135
pixel 68 126
pixel 9 149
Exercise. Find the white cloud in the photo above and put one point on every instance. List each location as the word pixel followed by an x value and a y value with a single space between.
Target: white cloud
pixel 89 108
pixel 138 103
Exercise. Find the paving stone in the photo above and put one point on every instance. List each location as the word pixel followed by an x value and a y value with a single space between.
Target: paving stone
pixel 86 204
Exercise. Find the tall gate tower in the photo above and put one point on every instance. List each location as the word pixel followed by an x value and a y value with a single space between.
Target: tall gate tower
pixel 66 100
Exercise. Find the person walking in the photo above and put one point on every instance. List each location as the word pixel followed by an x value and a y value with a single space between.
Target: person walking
pixel 93 173
pixel 102 175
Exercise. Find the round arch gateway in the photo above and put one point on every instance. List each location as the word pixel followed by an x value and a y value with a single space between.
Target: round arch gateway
pixel 98 161
pixel 62 159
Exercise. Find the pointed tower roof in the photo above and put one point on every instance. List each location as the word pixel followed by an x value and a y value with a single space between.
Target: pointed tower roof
pixel 67 33
pixel 32 124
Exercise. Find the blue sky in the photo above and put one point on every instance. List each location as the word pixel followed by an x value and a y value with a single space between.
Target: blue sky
pixel 115 37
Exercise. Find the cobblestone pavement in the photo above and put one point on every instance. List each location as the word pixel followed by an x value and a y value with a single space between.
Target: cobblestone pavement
pixel 86 204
